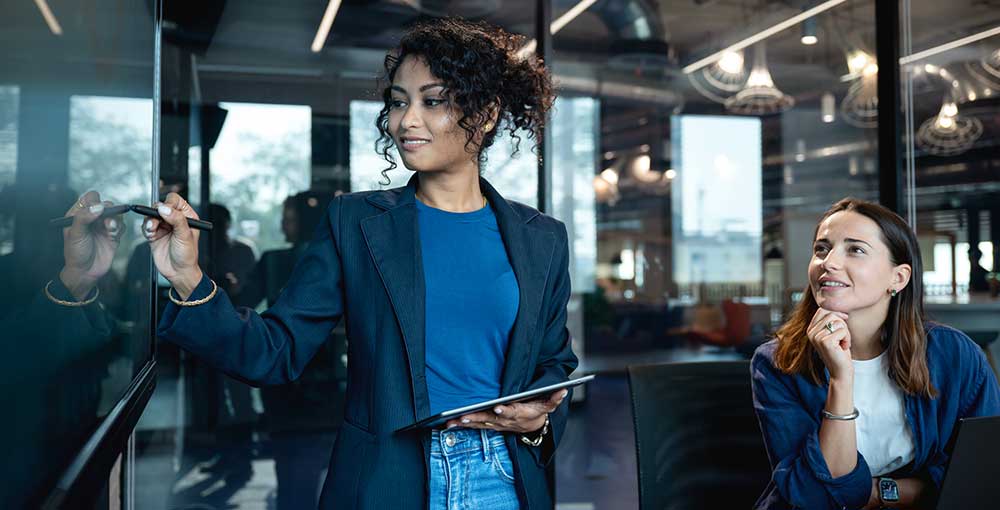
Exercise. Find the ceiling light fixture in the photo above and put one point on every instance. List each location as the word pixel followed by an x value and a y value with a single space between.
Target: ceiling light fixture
pixel 50 19
pixel 324 25
pixel 759 96
pixel 828 107
pixel 764 34
pixel 557 25
pixel 920 55
pixel 809 32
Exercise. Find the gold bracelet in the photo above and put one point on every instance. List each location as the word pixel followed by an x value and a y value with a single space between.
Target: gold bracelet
pixel 48 294
pixel 541 437
pixel 178 302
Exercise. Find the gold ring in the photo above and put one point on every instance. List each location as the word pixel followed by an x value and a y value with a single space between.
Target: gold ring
pixel 488 424
pixel 79 203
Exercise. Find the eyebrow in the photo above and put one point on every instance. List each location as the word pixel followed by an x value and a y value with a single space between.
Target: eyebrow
pixel 422 89
pixel 846 240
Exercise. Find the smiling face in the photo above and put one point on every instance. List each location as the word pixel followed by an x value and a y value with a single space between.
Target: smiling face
pixel 423 121
pixel 852 268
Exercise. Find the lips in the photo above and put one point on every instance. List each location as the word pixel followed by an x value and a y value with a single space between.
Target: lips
pixel 411 143
pixel 831 284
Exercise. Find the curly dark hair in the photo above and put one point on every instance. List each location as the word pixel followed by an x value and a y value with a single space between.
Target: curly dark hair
pixel 479 66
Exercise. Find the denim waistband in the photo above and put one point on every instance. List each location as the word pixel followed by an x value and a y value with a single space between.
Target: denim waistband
pixel 458 440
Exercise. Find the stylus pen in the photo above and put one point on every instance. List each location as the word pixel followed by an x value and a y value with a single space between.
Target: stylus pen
pixel 153 213
pixel 140 209
pixel 114 210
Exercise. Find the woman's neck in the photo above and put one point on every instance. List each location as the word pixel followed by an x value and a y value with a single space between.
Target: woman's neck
pixel 866 331
pixel 451 191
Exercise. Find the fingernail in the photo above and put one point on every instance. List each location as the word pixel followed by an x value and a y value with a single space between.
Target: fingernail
pixel 164 210
pixel 97 208
pixel 451 426
pixel 112 225
pixel 498 411
pixel 148 227
pixel 465 420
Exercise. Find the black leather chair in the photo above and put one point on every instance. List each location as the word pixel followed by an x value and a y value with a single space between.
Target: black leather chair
pixel 698 442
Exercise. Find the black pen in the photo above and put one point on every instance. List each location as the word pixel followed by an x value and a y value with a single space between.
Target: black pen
pixel 115 210
pixel 66 221
pixel 153 213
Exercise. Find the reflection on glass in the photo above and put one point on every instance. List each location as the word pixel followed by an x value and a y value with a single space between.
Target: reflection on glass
pixel 951 75
pixel 109 138
pixel 8 136
pixel 76 129
pixel 716 199
pixel 573 127
pixel 262 156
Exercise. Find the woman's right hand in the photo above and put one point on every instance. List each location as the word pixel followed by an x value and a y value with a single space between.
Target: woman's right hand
pixel 174 244
pixel 834 347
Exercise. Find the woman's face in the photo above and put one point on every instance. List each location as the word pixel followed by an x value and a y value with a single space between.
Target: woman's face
pixel 851 267
pixel 424 121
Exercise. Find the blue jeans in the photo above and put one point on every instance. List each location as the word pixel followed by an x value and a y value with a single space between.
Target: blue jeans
pixel 471 470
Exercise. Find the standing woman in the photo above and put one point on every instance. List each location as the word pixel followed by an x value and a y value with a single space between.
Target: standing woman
pixel 451 294
pixel 858 395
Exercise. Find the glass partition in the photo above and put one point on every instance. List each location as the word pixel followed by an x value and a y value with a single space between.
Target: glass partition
pixel 720 132
pixel 76 128
pixel 950 72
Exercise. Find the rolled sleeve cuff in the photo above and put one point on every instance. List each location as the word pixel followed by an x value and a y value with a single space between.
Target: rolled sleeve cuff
pixel 851 490
pixel 169 315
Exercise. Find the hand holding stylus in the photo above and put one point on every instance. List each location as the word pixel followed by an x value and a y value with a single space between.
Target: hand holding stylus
pixel 174 243
pixel 89 244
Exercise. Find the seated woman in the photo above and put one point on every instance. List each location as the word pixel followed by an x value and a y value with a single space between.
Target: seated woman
pixel 858 396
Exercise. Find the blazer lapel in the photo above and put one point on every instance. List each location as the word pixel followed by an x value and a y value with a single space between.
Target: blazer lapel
pixel 530 252
pixel 394 243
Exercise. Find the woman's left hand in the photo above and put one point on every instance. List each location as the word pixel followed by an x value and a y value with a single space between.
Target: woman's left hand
pixel 520 418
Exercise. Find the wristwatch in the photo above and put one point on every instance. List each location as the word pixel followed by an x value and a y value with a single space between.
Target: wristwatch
pixel 888 491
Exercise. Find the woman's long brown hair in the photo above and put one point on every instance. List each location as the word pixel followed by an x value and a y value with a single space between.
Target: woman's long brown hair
pixel 905 338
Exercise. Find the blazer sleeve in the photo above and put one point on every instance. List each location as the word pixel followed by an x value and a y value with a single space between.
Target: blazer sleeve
pixel 980 396
pixel 800 476
pixel 556 359
pixel 275 346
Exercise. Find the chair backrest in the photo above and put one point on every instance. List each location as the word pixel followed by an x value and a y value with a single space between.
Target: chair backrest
pixel 698 442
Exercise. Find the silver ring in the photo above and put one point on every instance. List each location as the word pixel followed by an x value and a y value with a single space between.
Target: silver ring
pixel 829 326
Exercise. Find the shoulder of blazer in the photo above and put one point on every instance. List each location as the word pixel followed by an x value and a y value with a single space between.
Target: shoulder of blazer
pixel 392 198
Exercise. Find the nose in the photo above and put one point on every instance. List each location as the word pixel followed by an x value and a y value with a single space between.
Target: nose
pixel 833 260
pixel 411 118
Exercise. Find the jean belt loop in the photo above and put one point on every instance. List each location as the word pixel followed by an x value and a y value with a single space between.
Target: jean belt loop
pixel 486 444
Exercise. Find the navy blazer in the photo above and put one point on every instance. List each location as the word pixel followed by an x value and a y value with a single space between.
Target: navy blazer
pixel 364 266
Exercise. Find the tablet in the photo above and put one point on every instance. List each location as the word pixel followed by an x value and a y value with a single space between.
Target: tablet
pixel 443 417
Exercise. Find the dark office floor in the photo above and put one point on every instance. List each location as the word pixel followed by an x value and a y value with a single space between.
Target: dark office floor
pixel 596 467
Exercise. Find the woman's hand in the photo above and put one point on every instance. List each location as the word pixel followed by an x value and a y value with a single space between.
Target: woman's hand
pixel 830 337
pixel 520 418
pixel 89 245
pixel 174 244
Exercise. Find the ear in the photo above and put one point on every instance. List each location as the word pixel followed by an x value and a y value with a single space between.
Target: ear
pixel 901 276
pixel 493 113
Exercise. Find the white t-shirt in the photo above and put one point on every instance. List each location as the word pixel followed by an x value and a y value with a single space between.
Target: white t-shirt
pixel 884 437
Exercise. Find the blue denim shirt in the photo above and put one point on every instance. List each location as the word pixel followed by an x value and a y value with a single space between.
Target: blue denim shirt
pixel 789 409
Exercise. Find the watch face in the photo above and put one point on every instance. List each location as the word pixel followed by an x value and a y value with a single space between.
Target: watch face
pixel 888 489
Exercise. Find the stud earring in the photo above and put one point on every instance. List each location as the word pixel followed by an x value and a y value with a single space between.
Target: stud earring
pixel 893 292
